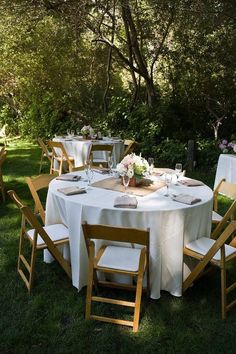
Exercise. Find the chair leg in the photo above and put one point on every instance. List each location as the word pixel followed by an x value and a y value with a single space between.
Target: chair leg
pixel 61 167
pixel 32 265
pixel 2 187
pixel 90 283
pixel 138 293
pixel 223 292
pixel 41 163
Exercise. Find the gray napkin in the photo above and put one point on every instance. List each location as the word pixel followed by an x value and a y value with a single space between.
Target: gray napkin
pixel 190 182
pixel 69 178
pixel 101 170
pixel 125 201
pixel 186 199
pixel 72 190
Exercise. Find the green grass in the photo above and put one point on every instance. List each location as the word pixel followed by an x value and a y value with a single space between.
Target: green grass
pixel 51 319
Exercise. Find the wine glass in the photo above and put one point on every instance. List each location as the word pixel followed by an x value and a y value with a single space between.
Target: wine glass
pixel 88 171
pixel 68 132
pixel 110 164
pixel 125 180
pixel 178 171
pixel 78 132
pixel 72 133
pixel 168 180
pixel 151 165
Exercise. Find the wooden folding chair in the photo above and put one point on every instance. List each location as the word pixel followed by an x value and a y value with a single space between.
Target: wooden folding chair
pixel 224 188
pixel 106 148
pixel 217 253
pixel 117 260
pixel 60 156
pixel 3 155
pixel 35 185
pixel 129 146
pixel 44 154
pixel 39 238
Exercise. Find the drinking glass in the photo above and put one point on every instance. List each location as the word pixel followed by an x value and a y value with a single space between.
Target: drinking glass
pixel 151 165
pixel 168 180
pixel 110 164
pixel 72 133
pixel 125 180
pixel 178 170
pixel 88 171
pixel 68 132
pixel 78 132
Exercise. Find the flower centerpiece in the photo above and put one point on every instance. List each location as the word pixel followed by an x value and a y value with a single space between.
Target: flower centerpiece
pixel 227 147
pixel 87 131
pixel 133 166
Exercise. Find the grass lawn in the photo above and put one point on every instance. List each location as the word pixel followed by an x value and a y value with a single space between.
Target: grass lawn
pixel 51 319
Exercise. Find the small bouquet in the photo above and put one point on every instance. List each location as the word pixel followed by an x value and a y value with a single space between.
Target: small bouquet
pixel 133 166
pixel 87 130
pixel 227 147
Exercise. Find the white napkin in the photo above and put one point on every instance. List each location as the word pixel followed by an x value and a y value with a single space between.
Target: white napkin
pixel 67 177
pixel 101 170
pixel 190 182
pixel 72 190
pixel 126 201
pixel 186 199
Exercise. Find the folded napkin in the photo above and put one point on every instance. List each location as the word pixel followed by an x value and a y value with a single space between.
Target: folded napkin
pixel 125 201
pixel 67 177
pixel 186 199
pixel 72 190
pixel 191 182
pixel 101 170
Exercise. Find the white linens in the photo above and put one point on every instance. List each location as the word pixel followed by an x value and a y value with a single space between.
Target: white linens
pixel 226 168
pixel 79 149
pixel 172 225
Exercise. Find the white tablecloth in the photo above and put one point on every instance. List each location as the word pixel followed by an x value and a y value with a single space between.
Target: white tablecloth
pixel 226 168
pixel 171 224
pixel 79 148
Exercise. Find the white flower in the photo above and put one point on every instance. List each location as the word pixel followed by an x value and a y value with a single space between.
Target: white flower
pixel 133 165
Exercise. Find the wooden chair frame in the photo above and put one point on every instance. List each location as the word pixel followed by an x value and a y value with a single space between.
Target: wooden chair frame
pixel 3 155
pixel 62 158
pixel 129 147
pixel 118 234
pixel 45 153
pixel 28 218
pixel 35 185
pixel 107 148
pixel 225 188
pixel 205 259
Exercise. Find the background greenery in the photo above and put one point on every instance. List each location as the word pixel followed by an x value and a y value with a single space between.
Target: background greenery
pixel 170 74
pixel 51 319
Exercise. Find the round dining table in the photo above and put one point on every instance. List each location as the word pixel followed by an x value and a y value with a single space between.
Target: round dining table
pixel 226 168
pixel 78 148
pixel 172 225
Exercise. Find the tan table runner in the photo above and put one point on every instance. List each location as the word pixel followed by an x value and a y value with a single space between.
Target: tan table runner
pixel 115 184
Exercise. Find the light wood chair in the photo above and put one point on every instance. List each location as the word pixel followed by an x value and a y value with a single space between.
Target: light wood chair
pixel 44 154
pixel 3 155
pixel 60 157
pixel 224 188
pixel 116 260
pixel 35 185
pixel 129 146
pixel 106 148
pixel 39 238
pixel 217 253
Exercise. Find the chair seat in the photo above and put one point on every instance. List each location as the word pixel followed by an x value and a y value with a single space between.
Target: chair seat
pixel 122 258
pixel 203 244
pixel 56 232
pixel 216 217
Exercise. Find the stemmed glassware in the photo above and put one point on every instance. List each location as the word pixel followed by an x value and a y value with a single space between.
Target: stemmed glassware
pixel 88 171
pixel 110 164
pixel 125 180
pixel 168 180
pixel 178 171
pixel 151 165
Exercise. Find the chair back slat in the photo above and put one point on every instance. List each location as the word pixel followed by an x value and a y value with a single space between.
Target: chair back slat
pixel 119 234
